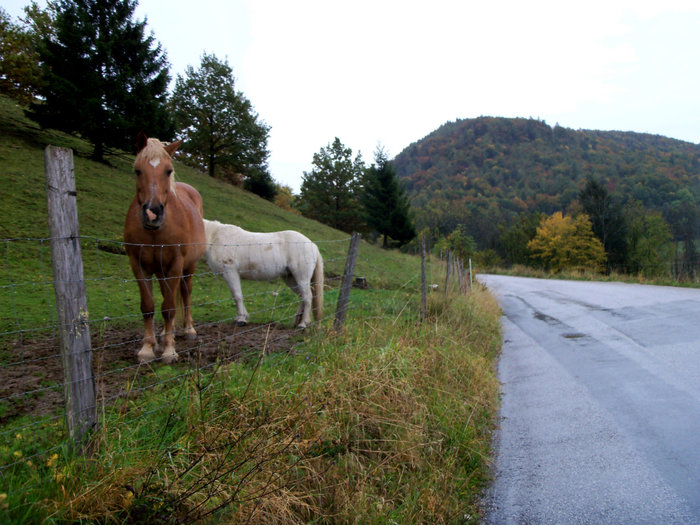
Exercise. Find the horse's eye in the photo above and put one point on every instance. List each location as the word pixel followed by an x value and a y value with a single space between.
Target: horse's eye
pixel 138 172
pixel 169 172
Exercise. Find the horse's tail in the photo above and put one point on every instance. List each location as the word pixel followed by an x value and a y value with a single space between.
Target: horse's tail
pixel 317 287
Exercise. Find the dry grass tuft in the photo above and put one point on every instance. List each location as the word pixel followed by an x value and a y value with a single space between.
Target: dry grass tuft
pixel 389 421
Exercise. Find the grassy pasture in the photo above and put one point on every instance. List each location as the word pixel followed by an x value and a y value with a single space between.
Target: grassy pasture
pixel 386 422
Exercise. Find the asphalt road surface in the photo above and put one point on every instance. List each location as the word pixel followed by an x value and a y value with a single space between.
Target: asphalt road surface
pixel 600 414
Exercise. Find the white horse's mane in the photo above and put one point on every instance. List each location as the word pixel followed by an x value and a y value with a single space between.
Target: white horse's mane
pixel 212 227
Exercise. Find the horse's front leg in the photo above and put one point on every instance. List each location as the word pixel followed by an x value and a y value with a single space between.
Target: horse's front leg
pixel 186 292
pixel 148 343
pixel 168 287
pixel 234 283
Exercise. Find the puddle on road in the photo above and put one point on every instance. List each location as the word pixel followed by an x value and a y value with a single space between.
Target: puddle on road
pixel 546 318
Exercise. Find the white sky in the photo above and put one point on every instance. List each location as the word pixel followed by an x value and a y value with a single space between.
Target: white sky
pixel 389 72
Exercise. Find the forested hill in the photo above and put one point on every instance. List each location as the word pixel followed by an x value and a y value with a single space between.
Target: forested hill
pixel 485 171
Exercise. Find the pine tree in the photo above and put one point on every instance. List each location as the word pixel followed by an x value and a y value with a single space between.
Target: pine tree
pixel 104 78
pixel 223 135
pixel 684 218
pixel 385 203
pixel 330 191
pixel 607 219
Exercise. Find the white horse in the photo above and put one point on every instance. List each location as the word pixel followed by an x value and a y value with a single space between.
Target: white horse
pixel 236 253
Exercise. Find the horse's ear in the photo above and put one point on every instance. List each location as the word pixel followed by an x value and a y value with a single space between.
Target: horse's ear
pixel 172 147
pixel 141 141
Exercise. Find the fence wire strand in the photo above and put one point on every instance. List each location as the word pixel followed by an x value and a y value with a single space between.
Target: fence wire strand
pixel 31 383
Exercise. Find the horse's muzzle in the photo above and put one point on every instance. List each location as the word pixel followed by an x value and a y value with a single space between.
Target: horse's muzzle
pixel 152 216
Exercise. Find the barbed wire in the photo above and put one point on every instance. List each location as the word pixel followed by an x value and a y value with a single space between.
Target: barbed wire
pixel 116 332
pixel 29 342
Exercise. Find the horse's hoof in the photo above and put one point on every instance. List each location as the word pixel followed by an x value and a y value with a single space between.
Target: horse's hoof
pixel 191 334
pixel 241 323
pixel 169 358
pixel 145 355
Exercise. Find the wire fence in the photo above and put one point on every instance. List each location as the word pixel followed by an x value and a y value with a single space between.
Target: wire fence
pixel 31 377
pixel 38 374
pixel 36 390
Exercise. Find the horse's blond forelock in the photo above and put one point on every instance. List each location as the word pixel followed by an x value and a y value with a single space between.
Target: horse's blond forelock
pixel 153 152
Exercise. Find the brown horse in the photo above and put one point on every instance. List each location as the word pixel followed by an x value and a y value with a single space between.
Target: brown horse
pixel 164 236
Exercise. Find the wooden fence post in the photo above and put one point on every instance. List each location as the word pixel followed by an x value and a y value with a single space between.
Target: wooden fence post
pixel 71 304
pixel 470 274
pixel 447 277
pixel 424 285
pixel 346 283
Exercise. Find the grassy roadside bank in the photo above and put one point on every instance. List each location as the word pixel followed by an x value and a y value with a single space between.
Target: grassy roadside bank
pixel 574 275
pixel 388 422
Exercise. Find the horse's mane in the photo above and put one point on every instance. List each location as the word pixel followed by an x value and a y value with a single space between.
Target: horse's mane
pixel 152 151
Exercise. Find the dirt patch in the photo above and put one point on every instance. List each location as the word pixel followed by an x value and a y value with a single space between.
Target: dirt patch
pixel 31 381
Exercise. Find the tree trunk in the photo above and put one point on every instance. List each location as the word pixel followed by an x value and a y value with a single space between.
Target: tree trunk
pixel 98 153
pixel 211 165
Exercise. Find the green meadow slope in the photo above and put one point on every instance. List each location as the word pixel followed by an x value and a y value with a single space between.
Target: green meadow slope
pixel 105 191
pixel 104 194
pixel 387 421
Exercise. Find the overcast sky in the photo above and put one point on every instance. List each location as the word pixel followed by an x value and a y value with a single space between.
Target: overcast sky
pixel 389 72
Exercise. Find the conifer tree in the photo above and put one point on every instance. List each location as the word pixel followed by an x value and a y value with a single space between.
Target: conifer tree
pixel 330 191
pixel 104 78
pixel 385 203
pixel 607 219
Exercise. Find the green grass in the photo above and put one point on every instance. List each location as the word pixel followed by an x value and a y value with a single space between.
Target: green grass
pixel 387 421
pixel 588 275
pixel 104 194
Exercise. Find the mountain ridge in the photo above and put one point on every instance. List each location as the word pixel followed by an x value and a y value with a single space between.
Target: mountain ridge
pixel 488 170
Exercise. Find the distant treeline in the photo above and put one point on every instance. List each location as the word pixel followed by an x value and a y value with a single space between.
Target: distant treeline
pixel 485 174
pixel 503 167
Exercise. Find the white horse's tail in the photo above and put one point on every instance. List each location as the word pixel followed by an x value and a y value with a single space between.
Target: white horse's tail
pixel 317 288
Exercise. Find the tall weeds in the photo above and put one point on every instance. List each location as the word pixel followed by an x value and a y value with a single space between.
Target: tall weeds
pixel 387 422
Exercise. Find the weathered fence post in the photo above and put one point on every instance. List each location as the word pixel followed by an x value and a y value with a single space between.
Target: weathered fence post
pixel 447 277
pixel 470 274
pixel 71 304
pixel 424 284
pixel 459 270
pixel 346 283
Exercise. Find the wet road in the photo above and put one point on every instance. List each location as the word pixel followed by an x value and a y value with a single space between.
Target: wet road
pixel 600 415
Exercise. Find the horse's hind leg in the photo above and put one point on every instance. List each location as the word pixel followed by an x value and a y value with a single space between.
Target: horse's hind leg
pixel 303 316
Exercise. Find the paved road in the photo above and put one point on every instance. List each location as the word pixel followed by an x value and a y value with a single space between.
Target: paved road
pixel 600 416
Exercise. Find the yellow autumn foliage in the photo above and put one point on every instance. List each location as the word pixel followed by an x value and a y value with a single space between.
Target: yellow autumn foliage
pixel 567 243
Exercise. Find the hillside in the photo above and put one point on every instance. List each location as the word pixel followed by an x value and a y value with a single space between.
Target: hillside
pixel 104 194
pixel 105 191
pixel 258 424
pixel 485 171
